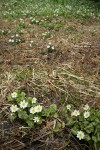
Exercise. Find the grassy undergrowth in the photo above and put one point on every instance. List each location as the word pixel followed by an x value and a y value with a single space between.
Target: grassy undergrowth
pixel 49 73
pixel 66 8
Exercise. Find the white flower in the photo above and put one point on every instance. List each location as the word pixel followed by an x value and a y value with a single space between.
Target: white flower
pixel 48 46
pixel 68 107
pixel 34 100
pixel 75 113
pixel 14 95
pixel 30 45
pixel 53 47
pixel 38 108
pixel 86 114
pixel 86 107
pixel 32 110
pixel 36 119
pixel 49 43
pixel 10 40
pixel 37 21
pixel 21 19
pixel 14 108
pixel 43 34
pixel 31 41
pixel 17 35
pixel 23 104
pixel 12 36
pixel 80 135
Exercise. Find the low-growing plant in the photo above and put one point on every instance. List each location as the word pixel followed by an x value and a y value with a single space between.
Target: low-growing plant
pixel 51 48
pixel 34 20
pixel 28 109
pixel 16 39
pixel 84 123
pixel 46 35
pixel 22 24
pixel 4 32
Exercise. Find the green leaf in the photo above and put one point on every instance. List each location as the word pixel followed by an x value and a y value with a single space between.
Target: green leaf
pixel 46 112
pixel 30 123
pixel 86 123
pixel 10 98
pixel 58 127
pixel 12 116
pixel 31 116
pixel 53 108
pixel 23 94
pixel 22 114
pixel 69 122
pixel 56 115
pixel 87 137
pixel 98 136
pixel 97 120
pixel 89 128
pixel 74 130
pixel 94 138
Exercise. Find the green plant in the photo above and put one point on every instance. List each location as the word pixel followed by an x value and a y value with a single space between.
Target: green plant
pixel 22 24
pixel 4 32
pixel 46 35
pixel 28 109
pixel 34 20
pixel 84 123
pixel 50 48
pixel 16 39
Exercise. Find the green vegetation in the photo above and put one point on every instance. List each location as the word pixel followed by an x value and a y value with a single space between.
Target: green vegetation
pixel 84 123
pixel 67 8
pixel 28 109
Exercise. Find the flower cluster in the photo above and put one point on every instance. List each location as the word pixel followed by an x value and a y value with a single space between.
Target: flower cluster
pixel 4 32
pixel 76 116
pixel 28 109
pixel 75 113
pixel 31 43
pixel 22 23
pixel 15 39
pixel 50 48
pixel 24 107
pixel 46 35
pixel 34 20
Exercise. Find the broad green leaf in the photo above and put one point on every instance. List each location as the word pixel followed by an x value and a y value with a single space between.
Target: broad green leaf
pixel 74 130
pixel 87 137
pixel 94 138
pixel 69 122
pixel 46 112
pixel 53 108
pixel 30 123
pixel 10 98
pixel 22 114
pixel 56 115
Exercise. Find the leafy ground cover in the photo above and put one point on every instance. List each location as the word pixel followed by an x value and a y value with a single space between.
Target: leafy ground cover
pixel 49 51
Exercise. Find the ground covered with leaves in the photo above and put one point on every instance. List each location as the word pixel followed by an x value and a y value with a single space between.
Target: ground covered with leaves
pixel 53 56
